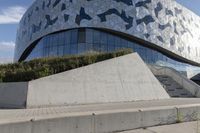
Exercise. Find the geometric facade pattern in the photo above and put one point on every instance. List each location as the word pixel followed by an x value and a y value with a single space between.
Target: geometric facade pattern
pixel 163 23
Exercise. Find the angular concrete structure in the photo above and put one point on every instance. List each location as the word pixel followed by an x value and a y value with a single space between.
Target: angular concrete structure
pixel 122 79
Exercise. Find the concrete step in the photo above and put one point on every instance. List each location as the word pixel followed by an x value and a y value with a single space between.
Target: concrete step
pixel 163 74
pixel 172 87
pixel 99 118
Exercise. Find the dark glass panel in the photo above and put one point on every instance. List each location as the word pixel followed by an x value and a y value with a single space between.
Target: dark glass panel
pixel 104 48
pixel 46 52
pixel 54 40
pixel 97 47
pixel 81 48
pixel 81 36
pixel 124 43
pixel 61 39
pixel 89 47
pixel 103 38
pixel 110 48
pixel 67 37
pixel 89 36
pixel 73 49
pixel 67 49
pixel 117 41
pixel 53 51
pixel 74 34
pixel 111 39
pixel 96 37
pixel 61 50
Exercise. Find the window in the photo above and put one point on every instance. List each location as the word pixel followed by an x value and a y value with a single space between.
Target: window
pixel 61 40
pixel 111 39
pixel 89 47
pixel 54 40
pixel 47 42
pixel 53 51
pixel 117 41
pixel 67 49
pixel 81 36
pixel 73 37
pixel 82 40
pixel 103 38
pixel 97 47
pixel 81 48
pixel 67 37
pixel 46 52
pixel 111 48
pixel 96 37
pixel 124 43
pixel 130 44
pixel 89 36
pixel 73 49
pixel 60 50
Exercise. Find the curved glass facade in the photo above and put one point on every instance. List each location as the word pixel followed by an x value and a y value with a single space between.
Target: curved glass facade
pixel 78 41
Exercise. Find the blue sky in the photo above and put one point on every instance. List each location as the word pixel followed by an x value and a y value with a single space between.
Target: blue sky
pixel 191 4
pixel 12 10
pixel 10 14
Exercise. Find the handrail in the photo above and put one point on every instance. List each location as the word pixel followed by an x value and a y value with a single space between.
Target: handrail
pixel 172 69
pixel 179 78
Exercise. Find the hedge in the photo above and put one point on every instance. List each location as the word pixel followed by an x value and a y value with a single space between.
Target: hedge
pixel 34 69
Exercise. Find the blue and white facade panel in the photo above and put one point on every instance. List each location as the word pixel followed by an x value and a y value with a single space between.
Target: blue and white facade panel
pixel 164 23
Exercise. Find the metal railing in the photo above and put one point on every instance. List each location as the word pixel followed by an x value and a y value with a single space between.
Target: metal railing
pixel 178 77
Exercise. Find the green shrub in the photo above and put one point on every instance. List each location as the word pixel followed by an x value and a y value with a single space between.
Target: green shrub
pixel 26 71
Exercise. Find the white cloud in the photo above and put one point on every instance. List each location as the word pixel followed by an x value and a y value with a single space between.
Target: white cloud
pixel 6 52
pixel 6 60
pixel 11 15
pixel 7 44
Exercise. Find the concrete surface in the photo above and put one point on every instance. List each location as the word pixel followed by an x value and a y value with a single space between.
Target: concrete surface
pixel 173 88
pixel 121 79
pixel 187 127
pixel 13 95
pixel 99 118
pixel 187 84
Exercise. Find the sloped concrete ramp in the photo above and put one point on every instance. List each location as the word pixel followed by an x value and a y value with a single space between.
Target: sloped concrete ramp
pixel 122 79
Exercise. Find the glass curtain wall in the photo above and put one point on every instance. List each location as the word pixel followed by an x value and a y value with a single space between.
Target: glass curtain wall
pixel 79 41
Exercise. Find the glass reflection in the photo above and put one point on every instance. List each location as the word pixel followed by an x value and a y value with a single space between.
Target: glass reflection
pixel 78 41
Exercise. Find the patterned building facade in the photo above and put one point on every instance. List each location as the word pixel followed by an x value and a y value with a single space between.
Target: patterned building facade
pixel 161 31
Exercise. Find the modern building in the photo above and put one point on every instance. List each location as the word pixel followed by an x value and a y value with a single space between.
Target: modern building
pixel 162 32
pixel 114 95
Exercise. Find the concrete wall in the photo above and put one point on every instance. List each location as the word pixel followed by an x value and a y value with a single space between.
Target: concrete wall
pixel 179 78
pixel 121 79
pixel 13 95
pixel 102 121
